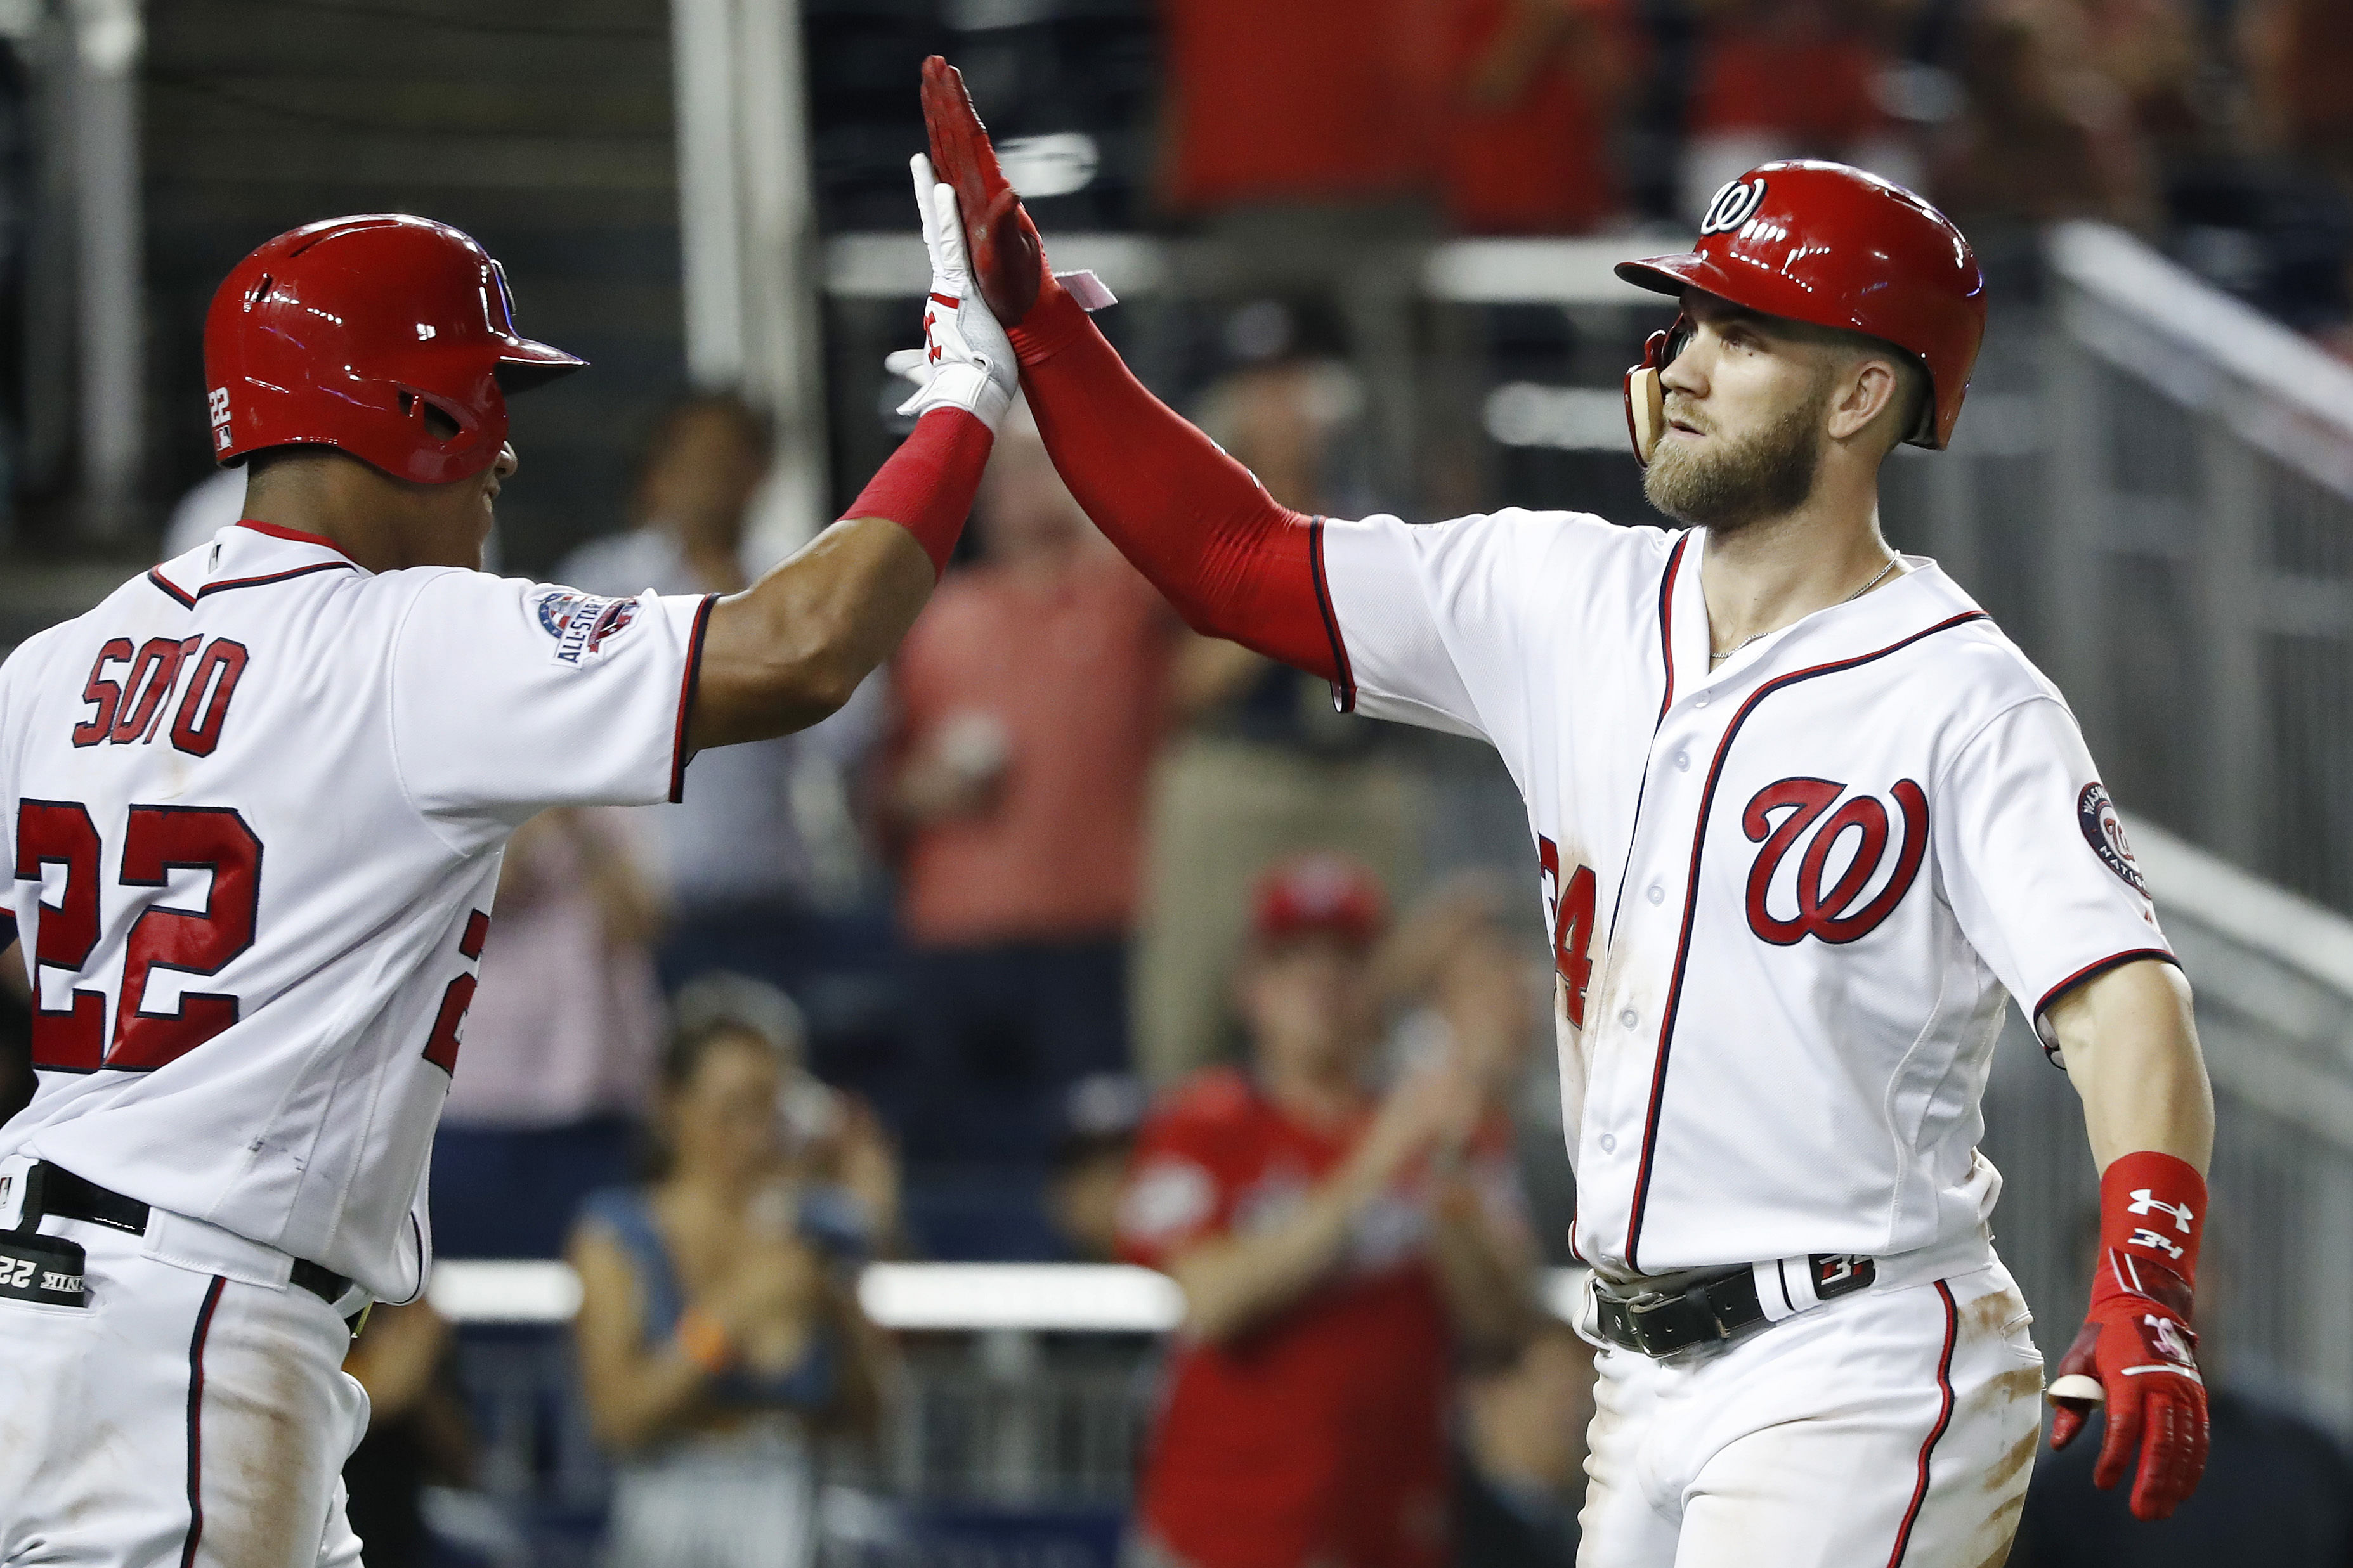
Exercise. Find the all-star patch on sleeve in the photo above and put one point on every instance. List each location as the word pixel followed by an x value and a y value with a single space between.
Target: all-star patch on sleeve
pixel 510 696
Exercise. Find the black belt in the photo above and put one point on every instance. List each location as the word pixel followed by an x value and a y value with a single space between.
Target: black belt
pixel 1707 1306
pixel 54 1190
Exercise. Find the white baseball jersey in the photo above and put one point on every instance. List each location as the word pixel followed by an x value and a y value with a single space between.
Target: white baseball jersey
pixel 254 804
pixel 1785 895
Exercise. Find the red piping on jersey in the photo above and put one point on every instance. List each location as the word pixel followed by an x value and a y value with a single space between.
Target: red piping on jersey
pixel 293 535
pixel 1667 624
pixel 197 1421
pixel 2113 960
pixel 1943 1419
pixel 189 601
pixel 1667 659
pixel 677 752
pixel 1690 901
pixel 1344 690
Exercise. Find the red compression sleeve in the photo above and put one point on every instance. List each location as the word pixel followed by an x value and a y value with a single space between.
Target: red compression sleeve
pixel 927 484
pixel 1235 562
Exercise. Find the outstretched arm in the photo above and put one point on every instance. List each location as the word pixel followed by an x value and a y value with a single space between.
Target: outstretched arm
pixel 1233 562
pixel 791 648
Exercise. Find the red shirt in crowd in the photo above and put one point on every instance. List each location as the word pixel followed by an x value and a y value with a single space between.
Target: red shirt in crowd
pixel 1318 1438
pixel 1530 154
pixel 1306 99
pixel 1076 675
pixel 1811 85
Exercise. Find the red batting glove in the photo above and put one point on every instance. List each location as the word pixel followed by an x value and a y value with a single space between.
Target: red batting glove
pixel 2136 1352
pixel 1008 260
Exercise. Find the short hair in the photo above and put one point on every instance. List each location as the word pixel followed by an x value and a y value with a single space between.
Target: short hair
pixel 1916 398
pixel 717 1005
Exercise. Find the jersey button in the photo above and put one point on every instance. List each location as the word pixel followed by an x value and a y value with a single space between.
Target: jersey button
pixel 1609 1145
pixel 1683 760
pixel 1627 1017
pixel 1701 700
pixel 1657 893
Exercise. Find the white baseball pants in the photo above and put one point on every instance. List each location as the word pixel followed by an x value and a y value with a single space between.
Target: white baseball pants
pixel 1891 1428
pixel 179 1420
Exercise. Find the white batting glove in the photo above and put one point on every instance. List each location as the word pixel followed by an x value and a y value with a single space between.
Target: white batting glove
pixel 967 360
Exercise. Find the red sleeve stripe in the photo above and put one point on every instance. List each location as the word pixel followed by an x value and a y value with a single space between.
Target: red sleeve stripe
pixel 1943 1419
pixel 679 757
pixel 2092 971
pixel 1344 690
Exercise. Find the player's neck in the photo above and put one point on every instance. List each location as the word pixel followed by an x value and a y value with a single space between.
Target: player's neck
pixel 1776 572
pixel 383 524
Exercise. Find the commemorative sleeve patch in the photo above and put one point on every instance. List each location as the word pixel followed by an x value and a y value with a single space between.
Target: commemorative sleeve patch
pixel 581 624
pixel 2103 830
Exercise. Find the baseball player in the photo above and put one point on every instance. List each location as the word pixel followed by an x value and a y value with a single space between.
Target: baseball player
pixel 254 804
pixel 1802 815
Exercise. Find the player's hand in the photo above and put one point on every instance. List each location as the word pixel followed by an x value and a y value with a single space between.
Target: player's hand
pixel 1430 1109
pixel 966 361
pixel 1008 260
pixel 2136 1353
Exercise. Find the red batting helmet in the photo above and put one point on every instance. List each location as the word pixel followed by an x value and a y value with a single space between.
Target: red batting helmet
pixel 1833 246
pixel 340 334
pixel 1319 895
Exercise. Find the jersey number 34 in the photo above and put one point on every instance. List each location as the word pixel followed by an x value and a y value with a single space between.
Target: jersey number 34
pixel 1571 904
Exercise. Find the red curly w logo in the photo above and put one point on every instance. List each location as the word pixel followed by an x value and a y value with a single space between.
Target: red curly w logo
pixel 1824 912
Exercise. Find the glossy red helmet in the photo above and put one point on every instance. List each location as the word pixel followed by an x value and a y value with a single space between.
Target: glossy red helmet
pixel 1836 247
pixel 1319 895
pixel 342 333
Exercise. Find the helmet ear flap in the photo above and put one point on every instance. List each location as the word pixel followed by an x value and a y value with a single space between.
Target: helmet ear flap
pixel 1646 398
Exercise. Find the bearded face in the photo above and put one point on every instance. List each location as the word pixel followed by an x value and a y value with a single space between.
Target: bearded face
pixel 1724 483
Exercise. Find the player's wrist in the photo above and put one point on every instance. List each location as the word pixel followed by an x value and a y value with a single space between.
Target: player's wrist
pixel 969 387
pixel 927 485
pixel 2152 1225
pixel 1052 325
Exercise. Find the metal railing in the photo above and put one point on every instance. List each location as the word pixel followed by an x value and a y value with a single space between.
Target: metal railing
pixel 2273 975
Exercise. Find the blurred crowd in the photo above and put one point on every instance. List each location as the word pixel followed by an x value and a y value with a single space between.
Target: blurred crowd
pixel 2221 129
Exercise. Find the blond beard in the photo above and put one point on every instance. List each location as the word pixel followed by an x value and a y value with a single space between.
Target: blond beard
pixel 1767 475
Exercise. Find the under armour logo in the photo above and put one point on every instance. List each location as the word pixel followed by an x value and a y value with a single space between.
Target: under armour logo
pixel 2165 1338
pixel 2146 1202
pixel 2154 1242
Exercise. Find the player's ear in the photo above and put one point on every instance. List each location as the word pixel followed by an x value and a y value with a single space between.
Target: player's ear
pixel 1864 391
